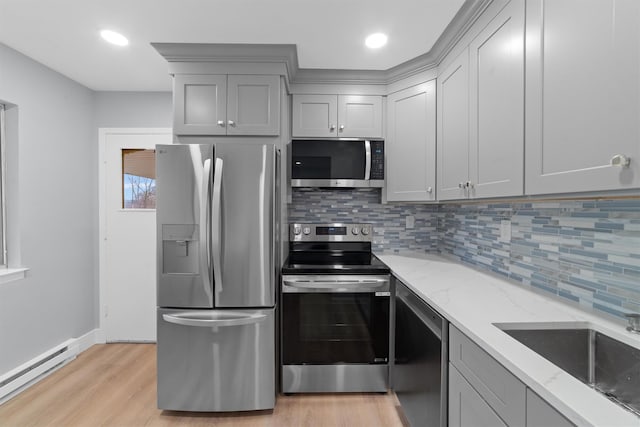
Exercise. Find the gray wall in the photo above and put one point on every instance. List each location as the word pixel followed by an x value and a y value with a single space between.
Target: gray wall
pixel 56 204
pixel 133 109
pixel 53 199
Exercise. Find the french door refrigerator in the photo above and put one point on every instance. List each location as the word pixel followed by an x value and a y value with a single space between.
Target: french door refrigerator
pixel 216 279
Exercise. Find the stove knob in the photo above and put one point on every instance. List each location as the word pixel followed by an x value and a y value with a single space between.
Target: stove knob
pixel 354 231
pixel 306 230
pixel 365 230
pixel 296 230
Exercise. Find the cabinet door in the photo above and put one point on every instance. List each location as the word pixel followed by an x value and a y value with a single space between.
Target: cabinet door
pixel 315 116
pixel 582 95
pixel 359 116
pixel 411 144
pixel 453 129
pixel 466 407
pixel 253 105
pixel 541 414
pixel 496 105
pixel 505 393
pixel 199 104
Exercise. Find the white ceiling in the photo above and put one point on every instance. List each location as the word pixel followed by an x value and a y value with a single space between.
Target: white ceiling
pixel 64 34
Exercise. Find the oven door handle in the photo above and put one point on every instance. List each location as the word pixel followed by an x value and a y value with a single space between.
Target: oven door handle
pixel 369 285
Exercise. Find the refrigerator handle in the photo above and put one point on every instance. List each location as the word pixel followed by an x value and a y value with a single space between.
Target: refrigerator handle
pixel 212 320
pixel 216 219
pixel 205 249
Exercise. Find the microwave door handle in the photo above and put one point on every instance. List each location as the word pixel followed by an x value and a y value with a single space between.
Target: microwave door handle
pixel 205 248
pixel 367 160
pixel 216 219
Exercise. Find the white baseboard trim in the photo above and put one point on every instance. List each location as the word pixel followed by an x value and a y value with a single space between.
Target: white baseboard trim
pixel 100 337
pixel 24 376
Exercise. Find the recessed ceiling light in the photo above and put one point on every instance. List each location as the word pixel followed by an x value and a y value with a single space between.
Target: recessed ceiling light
pixel 114 38
pixel 376 40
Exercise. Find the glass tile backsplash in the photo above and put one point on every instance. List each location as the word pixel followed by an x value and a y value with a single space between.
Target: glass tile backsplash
pixel 586 251
pixel 363 206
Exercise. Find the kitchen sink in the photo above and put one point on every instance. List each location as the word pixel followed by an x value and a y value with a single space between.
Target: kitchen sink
pixel 605 364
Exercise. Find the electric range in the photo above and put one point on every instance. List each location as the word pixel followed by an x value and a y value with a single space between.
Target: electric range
pixel 337 303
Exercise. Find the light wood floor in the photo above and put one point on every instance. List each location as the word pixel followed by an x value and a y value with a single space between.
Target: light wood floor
pixel 115 385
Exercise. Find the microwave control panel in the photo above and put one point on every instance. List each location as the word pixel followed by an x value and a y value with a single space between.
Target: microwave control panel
pixel 377 160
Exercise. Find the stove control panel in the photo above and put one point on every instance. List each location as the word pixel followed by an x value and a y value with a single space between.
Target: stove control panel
pixel 335 232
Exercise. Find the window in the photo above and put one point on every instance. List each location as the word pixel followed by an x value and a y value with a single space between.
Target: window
pixel 3 225
pixel 138 179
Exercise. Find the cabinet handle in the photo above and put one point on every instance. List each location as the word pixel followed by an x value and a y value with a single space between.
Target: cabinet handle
pixel 332 127
pixel 341 128
pixel 620 160
pixel 461 185
pixel 232 123
pixel 429 190
pixel 469 184
pixel 221 123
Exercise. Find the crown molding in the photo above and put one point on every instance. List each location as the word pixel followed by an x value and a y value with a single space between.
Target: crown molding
pixel 287 54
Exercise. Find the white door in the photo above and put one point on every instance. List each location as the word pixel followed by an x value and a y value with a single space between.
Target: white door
pixel 128 233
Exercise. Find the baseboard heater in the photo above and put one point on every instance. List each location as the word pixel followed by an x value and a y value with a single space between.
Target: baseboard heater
pixel 18 379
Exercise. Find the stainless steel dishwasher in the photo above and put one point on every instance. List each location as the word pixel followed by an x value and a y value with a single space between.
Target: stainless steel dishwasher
pixel 421 360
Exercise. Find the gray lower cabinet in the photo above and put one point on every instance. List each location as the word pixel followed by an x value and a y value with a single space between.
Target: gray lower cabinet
pixel 482 392
pixel 541 414
pixel 208 104
pixel 466 406
pixel 498 387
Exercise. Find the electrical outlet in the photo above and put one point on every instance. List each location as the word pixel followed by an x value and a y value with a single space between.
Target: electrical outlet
pixel 505 230
pixel 410 221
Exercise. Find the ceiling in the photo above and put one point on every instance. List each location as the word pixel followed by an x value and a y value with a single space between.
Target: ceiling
pixel 64 34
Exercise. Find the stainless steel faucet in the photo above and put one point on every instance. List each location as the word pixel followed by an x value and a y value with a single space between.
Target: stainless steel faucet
pixel 634 322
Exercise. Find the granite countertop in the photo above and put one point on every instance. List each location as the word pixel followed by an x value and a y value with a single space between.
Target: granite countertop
pixel 474 301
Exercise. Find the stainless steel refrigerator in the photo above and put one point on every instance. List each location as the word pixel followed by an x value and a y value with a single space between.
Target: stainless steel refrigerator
pixel 217 275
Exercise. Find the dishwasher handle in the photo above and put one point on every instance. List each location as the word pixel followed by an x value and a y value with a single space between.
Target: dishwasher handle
pixel 428 316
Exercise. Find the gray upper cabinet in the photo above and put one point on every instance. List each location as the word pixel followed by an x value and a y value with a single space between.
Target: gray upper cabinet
pixel 199 104
pixel 348 116
pixel 226 105
pixel 315 116
pixel 359 116
pixel 481 112
pixel 411 144
pixel 583 95
pixel 496 106
pixel 453 129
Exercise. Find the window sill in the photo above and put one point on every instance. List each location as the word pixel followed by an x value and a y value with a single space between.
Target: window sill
pixel 12 274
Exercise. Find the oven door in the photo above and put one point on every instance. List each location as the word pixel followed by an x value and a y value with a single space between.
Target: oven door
pixel 335 320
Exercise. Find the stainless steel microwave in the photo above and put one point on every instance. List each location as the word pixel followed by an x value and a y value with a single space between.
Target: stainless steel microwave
pixel 337 163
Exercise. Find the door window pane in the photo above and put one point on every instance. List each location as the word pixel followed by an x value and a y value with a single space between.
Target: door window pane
pixel 138 179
